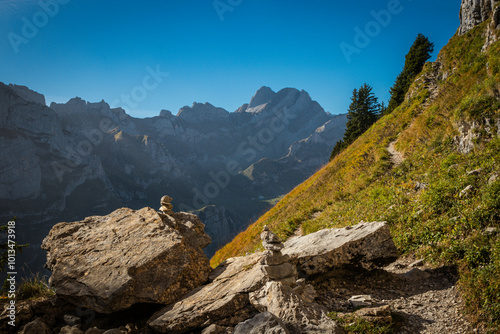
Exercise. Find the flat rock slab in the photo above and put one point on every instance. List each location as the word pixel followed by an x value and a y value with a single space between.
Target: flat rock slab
pixel 111 262
pixel 366 245
pixel 225 301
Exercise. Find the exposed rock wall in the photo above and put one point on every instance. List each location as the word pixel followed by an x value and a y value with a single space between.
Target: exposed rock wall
pixel 474 12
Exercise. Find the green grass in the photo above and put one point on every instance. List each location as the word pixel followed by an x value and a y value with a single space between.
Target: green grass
pixel 434 222
pixel 355 325
pixel 34 287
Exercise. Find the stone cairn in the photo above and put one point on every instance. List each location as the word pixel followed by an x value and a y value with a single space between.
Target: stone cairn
pixel 275 265
pixel 166 206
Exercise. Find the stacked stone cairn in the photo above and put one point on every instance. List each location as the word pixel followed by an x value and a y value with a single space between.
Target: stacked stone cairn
pixel 275 265
pixel 166 206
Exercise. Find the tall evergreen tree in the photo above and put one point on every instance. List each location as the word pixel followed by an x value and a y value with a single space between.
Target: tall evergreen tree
pixel 419 53
pixel 363 111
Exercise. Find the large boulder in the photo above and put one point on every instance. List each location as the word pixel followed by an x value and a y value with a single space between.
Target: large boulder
pixel 296 313
pixel 365 245
pixel 111 262
pixel 225 301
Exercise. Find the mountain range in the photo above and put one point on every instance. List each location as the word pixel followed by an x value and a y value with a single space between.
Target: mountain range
pixel 67 161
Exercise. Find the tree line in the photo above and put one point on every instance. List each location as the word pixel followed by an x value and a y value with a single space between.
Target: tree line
pixel 365 109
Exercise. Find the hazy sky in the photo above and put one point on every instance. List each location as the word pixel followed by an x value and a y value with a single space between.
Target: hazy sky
pixel 213 51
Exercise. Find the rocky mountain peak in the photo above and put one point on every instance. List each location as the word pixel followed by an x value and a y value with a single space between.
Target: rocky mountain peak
pixel 28 94
pixel 200 112
pixel 166 113
pixel 262 96
pixel 474 12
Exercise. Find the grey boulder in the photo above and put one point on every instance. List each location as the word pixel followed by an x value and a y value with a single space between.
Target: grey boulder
pixel 108 263
pixel 366 245
pixel 262 323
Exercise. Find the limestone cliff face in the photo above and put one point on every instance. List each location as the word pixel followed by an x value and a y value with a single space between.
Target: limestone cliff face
pixel 474 12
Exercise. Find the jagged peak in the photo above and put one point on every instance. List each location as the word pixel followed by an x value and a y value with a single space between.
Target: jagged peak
pixel 166 113
pixel 201 112
pixel 28 94
pixel 262 96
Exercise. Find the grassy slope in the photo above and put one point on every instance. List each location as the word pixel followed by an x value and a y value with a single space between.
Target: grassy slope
pixel 436 223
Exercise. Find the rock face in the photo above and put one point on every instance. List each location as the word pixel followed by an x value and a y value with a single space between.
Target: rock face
pixel 28 94
pixel 110 263
pixel 474 12
pixel 225 301
pixel 365 245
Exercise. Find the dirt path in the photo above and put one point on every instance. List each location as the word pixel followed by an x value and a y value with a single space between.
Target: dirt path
pixel 396 157
pixel 426 300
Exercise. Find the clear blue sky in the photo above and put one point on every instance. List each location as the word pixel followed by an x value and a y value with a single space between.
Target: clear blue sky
pixel 101 49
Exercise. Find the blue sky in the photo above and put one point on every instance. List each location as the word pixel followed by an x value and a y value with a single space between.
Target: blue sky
pixel 107 49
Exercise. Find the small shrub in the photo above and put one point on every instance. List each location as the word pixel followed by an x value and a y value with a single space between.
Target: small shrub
pixel 34 287
pixel 354 325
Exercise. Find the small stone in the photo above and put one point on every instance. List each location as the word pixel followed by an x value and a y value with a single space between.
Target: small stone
pixel 165 200
pixel 166 208
pixel 279 272
pixel 71 330
pixel 269 236
pixel 272 247
pixel 72 320
pixel 493 178
pixel 475 172
pixel 417 263
pixel 214 329
pixel 274 258
pixel 420 186
pixel 305 291
pixel 466 192
pixel 491 230
pixel 381 314
pixel 361 300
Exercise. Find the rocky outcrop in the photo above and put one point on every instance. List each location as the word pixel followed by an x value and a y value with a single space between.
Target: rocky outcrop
pixel 112 262
pixel 475 12
pixel 225 301
pixel 365 245
pixel 472 131
pixel 298 315
pixel 262 323
pixel 202 113
pixel 28 94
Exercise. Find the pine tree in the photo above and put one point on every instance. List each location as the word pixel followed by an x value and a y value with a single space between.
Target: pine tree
pixel 419 53
pixel 363 111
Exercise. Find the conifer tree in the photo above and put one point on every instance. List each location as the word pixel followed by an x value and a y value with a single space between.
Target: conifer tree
pixel 419 53
pixel 363 111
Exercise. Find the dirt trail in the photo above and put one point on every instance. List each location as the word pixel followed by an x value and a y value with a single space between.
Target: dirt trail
pixel 396 157
pixel 426 300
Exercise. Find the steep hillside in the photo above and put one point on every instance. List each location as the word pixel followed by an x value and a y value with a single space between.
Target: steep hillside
pixel 443 200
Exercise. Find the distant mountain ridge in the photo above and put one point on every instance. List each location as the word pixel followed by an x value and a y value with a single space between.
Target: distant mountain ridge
pixel 76 159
